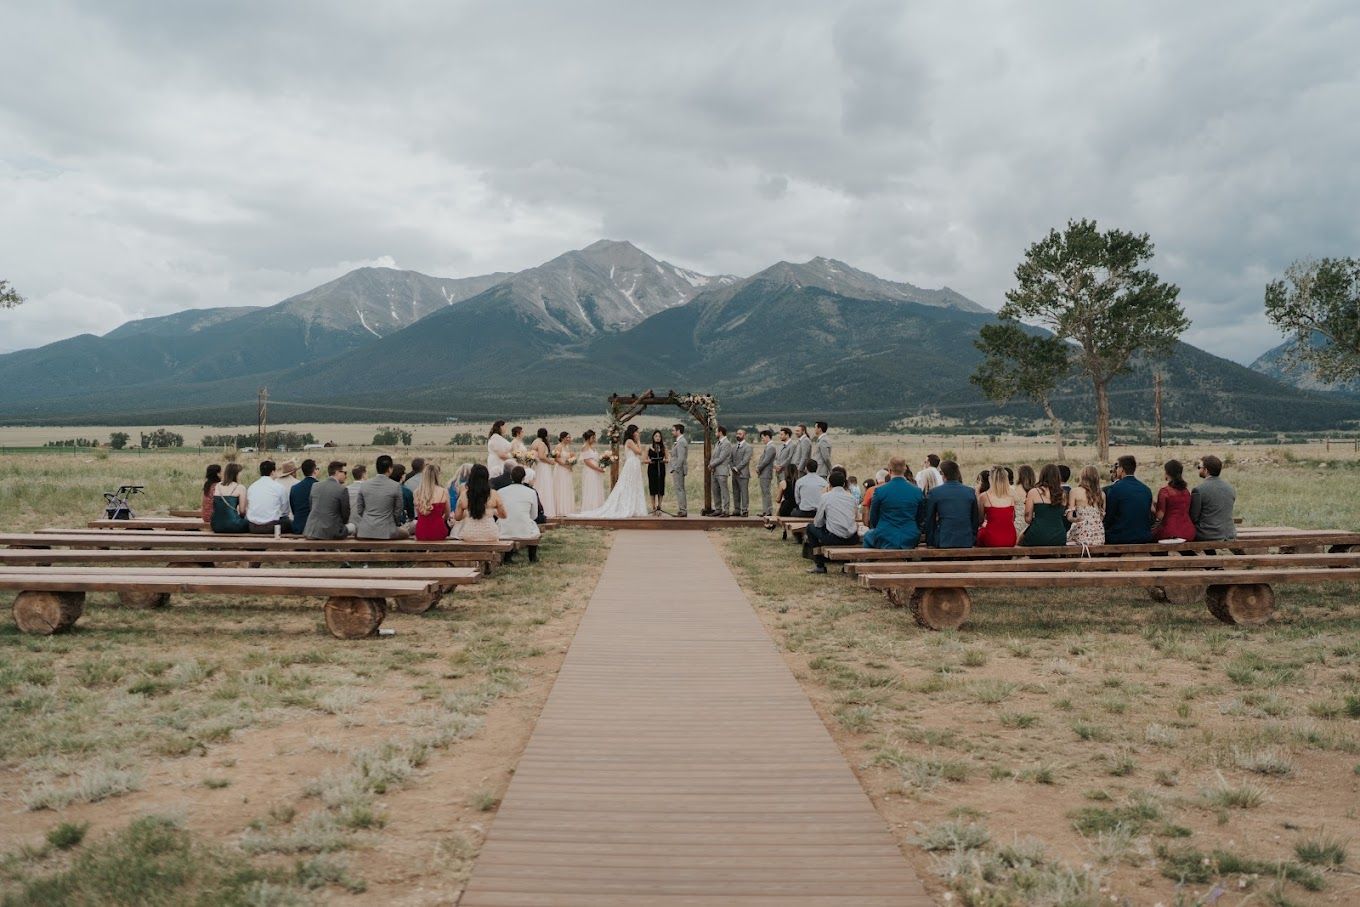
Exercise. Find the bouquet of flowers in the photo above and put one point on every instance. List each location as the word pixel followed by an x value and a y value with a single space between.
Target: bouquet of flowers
pixel 525 458
pixel 606 460
pixel 571 460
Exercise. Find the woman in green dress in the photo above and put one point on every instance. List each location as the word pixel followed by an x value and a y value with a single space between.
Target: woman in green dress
pixel 1044 506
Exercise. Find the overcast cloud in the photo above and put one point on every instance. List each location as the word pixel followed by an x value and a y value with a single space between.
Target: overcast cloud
pixel 160 156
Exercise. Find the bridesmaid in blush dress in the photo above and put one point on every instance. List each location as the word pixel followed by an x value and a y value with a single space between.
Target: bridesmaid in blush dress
pixel 564 488
pixel 592 474
pixel 545 473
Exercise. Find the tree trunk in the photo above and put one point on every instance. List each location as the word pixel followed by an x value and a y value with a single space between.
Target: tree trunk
pixel 1057 425
pixel 1102 421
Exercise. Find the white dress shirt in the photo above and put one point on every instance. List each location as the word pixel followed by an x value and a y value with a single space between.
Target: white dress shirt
pixel 266 501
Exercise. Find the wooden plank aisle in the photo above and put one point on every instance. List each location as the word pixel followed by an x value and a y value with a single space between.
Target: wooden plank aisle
pixel 678 762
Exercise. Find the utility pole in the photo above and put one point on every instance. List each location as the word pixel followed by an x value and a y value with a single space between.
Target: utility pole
pixel 1157 405
pixel 262 409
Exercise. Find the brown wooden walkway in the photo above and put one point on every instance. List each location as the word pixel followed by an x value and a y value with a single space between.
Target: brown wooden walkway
pixel 678 762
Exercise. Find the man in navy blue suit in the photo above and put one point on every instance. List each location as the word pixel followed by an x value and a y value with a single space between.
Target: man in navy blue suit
pixel 952 517
pixel 1128 506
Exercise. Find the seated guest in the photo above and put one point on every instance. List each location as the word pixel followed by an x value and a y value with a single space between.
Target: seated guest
pixel 854 488
pixel 530 477
pixel 328 509
pixel 1024 479
pixel 431 504
pixel 521 509
pixel 879 478
pixel 478 509
pixel 210 480
pixel 1128 506
pixel 458 483
pixel 807 492
pixel 929 476
pixel 1171 510
pixel 865 493
pixel 267 503
pixel 381 505
pixel 357 476
pixel 1044 507
pixel 1086 510
pixel 417 474
pixel 788 493
pixel 286 475
pixel 951 511
pixel 897 510
pixel 229 502
pixel 1212 502
pixel 506 478
pixel 834 522
pixel 408 497
pixel 998 511
pixel 1065 473
pixel 300 497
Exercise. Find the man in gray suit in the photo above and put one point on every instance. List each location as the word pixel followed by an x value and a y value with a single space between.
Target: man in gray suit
pixel 821 449
pixel 784 455
pixel 680 467
pixel 741 476
pixel 329 514
pixel 765 470
pixel 721 465
pixel 381 505
pixel 1212 502
pixel 802 448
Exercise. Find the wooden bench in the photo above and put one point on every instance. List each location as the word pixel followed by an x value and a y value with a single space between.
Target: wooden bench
pixel 41 557
pixel 941 600
pixel 94 538
pixel 445 578
pixel 178 524
pixel 49 601
pixel 1334 540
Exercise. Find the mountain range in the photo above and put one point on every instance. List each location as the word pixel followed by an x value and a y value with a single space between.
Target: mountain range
pixel 795 340
pixel 1276 363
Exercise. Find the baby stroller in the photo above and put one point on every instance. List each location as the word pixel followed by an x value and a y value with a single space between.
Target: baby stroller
pixel 116 506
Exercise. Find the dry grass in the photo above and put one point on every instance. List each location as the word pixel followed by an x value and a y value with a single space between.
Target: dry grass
pixel 1129 738
pixel 274 743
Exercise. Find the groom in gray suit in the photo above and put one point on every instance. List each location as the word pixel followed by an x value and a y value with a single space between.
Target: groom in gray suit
pixel 680 467
pixel 741 476
pixel 802 448
pixel 765 470
pixel 721 465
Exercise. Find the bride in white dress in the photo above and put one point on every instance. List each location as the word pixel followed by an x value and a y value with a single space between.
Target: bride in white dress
pixel 628 497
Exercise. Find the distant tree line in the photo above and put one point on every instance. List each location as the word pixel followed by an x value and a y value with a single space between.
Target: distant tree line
pixel 466 439
pixel 73 442
pixel 391 436
pixel 272 440
pixel 161 437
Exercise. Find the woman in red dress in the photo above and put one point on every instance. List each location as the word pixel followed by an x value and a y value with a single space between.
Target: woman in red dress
pixel 998 512
pixel 432 506
pixel 1171 510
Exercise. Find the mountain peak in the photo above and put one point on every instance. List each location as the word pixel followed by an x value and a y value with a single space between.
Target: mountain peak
pixel 836 276
pixel 612 245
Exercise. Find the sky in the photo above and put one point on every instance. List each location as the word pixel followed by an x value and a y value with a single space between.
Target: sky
pixel 156 157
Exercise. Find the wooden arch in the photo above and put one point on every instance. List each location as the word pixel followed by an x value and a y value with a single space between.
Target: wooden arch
pixel 702 408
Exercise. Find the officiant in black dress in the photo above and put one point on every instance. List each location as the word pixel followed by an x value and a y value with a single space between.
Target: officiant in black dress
pixel 657 457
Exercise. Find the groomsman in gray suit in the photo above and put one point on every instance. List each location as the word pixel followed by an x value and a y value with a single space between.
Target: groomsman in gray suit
pixel 802 448
pixel 821 449
pixel 784 454
pixel 765 470
pixel 721 465
pixel 679 467
pixel 741 476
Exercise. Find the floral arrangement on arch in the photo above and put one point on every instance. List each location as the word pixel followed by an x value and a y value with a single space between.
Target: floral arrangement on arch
pixel 702 407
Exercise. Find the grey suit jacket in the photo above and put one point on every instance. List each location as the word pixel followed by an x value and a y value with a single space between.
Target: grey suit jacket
pixel 802 452
pixel 380 508
pixel 783 454
pixel 1211 510
pixel 822 454
pixel 680 456
pixel 330 511
pixel 741 459
pixel 765 465
pixel 721 461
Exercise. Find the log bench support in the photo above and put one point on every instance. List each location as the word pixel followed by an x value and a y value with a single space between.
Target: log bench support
pixel 1250 604
pixel 417 604
pixel 144 601
pixel 46 613
pixel 1178 594
pixel 353 617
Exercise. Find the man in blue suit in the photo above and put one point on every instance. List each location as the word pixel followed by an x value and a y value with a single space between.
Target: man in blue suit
pixel 897 511
pixel 1128 506
pixel 952 517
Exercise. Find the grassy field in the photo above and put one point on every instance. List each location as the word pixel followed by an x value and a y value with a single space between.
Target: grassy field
pixel 1070 748
pixel 1090 747
pixel 231 751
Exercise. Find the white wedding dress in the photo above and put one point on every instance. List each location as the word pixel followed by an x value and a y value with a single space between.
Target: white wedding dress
pixel 628 497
